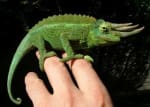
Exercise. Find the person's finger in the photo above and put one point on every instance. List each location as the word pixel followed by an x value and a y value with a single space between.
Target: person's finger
pixel 88 81
pixel 35 88
pixel 58 75
pixel 86 77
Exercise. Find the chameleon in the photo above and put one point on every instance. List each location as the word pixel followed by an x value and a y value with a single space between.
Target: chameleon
pixel 68 33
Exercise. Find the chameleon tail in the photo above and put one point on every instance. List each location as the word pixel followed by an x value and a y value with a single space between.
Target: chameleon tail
pixel 22 49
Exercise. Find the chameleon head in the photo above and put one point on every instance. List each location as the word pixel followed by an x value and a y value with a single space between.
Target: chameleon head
pixel 105 33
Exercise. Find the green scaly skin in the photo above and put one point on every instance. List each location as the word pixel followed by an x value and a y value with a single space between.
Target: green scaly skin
pixel 68 33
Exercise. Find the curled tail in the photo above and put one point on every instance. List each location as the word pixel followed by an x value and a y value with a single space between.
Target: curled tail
pixel 23 48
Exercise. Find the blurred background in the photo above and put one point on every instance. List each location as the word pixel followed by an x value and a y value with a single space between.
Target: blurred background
pixel 123 67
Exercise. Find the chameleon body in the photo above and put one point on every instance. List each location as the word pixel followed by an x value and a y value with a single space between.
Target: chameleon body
pixel 68 33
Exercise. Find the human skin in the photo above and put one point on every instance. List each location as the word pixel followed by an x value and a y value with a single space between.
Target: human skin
pixel 90 92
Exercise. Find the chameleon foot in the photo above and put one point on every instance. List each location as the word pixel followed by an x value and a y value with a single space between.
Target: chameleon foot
pixel 49 54
pixel 88 58
pixel 77 56
pixel 42 59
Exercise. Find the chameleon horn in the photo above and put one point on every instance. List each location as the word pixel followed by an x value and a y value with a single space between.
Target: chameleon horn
pixel 133 32
pixel 126 28
pixel 115 25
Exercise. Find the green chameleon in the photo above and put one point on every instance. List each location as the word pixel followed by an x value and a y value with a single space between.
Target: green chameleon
pixel 68 33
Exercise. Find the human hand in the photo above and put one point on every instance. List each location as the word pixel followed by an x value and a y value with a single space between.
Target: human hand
pixel 90 91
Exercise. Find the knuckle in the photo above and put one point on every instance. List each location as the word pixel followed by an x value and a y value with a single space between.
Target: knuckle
pixel 69 99
pixel 54 62
pixel 46 102
pixel 96 99
pixel 41 104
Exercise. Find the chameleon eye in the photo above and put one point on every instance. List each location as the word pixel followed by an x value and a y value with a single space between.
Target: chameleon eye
pixel 105 27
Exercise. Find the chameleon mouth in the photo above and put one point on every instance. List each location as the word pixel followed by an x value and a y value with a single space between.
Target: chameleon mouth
pixel 110 38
